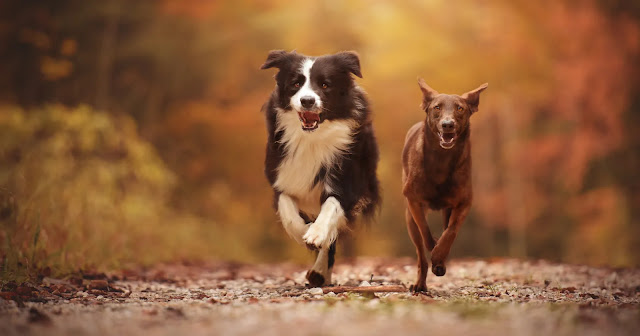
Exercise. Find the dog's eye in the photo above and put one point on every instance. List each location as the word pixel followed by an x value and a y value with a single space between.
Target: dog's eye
pixel 460 108
pixel 325 85
pixel 296 85
pixel 437 107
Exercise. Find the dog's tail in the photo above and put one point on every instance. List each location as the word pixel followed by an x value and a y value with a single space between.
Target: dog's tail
pixel 368 208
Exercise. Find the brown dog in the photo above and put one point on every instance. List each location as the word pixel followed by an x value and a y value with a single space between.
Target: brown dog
pixel 436 173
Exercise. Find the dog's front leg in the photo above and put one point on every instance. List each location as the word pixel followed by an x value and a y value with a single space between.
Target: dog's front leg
pixel 324 231
pixel 443 246
pixel 421 236
pixel 423 265
pixel 290 217
pixel 320 274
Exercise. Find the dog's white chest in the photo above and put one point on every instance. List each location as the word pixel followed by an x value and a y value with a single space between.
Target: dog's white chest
pixel 306 153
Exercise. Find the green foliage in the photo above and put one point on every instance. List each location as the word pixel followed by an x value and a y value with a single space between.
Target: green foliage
pixel 87 192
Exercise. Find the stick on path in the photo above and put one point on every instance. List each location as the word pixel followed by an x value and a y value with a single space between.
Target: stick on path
pixel 364 289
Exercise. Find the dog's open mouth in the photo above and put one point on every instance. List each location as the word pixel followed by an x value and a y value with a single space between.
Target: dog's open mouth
pixel 447 140
pixel 310 120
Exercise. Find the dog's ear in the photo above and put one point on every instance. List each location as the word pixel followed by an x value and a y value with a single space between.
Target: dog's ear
pixel 473 97
pixel 351 62
pixel 276 58
pixel 427 93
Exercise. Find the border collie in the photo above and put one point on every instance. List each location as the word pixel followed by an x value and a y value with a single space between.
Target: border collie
pixel 321 151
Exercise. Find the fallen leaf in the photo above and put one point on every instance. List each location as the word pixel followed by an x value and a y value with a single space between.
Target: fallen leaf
pixel 8 295
pixel 98 284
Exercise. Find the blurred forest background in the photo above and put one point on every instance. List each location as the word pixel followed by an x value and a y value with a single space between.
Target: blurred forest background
pixel 131 131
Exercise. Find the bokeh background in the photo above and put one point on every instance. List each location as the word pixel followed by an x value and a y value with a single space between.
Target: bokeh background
pixel 131 131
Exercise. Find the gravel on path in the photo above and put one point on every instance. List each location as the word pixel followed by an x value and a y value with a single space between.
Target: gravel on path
pixel 475 297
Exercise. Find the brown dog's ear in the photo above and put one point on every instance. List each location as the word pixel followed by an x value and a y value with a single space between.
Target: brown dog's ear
pixel 473 97
pixel 275 59
pixel 351 61
pixel 427 93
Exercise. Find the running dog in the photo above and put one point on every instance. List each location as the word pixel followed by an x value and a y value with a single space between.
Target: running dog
pixel 321 154
pixel 436 174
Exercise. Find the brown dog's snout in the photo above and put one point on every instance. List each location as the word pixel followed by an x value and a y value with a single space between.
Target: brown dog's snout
pixel 448 126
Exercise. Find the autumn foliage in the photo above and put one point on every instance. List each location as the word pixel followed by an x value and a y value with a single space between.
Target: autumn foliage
pixel 131 132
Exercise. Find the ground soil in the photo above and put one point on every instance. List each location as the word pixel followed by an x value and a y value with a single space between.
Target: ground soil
pixel 475 297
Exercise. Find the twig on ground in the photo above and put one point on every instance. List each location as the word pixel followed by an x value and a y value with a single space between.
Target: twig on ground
pixel 364 289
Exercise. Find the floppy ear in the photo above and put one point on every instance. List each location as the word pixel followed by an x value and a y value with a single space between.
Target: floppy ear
pixel 427 93
pixel 275 59
pixel 351 61
pixel 473 97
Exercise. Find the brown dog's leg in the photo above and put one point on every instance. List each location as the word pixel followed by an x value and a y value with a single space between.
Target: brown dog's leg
pixel 446 215
pixel 423 265
pixel 441 250
pixel 417 212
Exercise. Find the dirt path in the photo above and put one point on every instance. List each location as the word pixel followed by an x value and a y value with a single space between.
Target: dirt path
pixel 475 297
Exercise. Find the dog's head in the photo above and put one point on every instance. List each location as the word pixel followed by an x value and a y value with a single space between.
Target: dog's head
pixel 448 115
pixel 316 88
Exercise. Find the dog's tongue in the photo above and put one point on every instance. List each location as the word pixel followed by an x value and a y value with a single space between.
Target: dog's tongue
pixel 447 140
pixel 309 117
pixel 447 137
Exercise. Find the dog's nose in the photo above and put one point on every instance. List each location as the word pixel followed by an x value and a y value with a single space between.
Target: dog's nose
pixel 447 126
pixel 307 102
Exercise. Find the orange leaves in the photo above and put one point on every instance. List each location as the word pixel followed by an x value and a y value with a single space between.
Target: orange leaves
pixel 68 47
pixel 35 38
pixel 53 69
pixel 562 75
pixel 197 9
pixel 602 236
pixel 575 119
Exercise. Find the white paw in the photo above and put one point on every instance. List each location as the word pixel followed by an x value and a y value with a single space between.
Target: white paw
pixel 317 235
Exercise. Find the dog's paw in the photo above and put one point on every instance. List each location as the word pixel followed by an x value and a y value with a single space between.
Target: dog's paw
pixel 318 236
pixel 318 279
pixel 418 287
pixel 315 279
pixel 439 270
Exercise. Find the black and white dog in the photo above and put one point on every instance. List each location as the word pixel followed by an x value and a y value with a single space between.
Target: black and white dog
pixel 321 152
